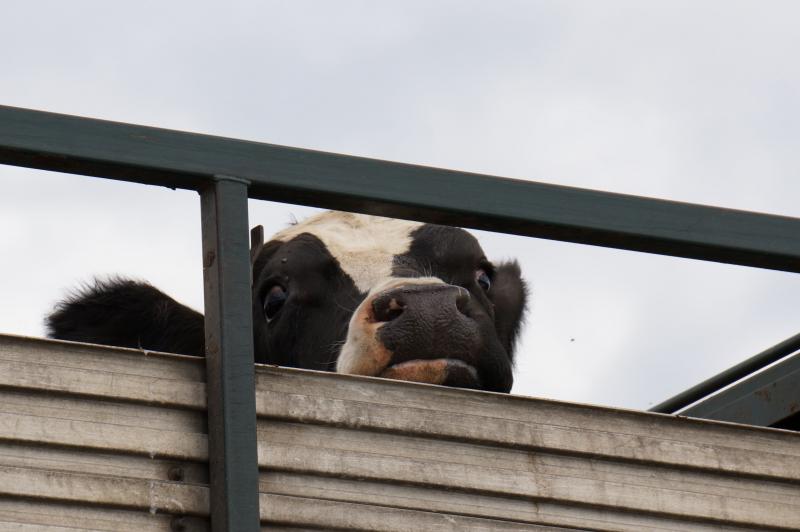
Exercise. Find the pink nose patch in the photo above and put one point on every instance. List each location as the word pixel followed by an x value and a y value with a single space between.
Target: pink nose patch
pixel 446 371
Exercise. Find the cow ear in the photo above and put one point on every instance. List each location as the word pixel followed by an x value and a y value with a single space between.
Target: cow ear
pixel 509 294
pixel 256 242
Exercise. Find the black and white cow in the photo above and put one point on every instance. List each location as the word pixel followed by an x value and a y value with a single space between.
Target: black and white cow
pixel 359 294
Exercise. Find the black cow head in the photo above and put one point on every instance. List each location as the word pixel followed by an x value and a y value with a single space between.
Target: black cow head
pixel 346 292
pixel 377 296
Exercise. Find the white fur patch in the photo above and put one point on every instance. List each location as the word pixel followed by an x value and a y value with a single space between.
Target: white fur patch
pixel 364 245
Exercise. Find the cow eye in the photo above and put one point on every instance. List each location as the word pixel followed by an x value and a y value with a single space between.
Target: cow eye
pixel 273 302
pixel 483 279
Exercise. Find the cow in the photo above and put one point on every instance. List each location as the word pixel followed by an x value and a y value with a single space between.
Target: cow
pixel 353 293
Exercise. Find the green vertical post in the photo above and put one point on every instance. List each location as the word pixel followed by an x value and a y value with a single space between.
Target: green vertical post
pixel 233 460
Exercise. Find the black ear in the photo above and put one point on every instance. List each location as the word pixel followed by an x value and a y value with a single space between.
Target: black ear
pixel 509 294
pixel 256 241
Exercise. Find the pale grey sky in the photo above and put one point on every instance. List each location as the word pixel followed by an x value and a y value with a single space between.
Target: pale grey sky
pixel 693 101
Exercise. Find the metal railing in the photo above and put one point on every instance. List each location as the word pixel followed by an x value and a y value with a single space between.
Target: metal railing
pixel 226 172
pixel 729 376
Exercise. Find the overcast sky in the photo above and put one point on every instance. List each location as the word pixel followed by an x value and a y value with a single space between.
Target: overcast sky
pixel 695 101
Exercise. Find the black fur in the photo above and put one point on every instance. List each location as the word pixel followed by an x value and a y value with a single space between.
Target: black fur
pixel 312 324
pixel 127 313
pixel 508 294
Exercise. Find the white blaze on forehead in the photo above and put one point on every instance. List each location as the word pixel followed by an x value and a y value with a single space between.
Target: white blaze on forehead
pixel 364 246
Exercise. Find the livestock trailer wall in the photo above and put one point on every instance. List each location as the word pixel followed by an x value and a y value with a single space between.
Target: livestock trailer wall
pixel 363 461
pixel 115 439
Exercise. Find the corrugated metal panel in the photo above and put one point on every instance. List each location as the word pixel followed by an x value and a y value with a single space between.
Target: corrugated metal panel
pixel 99 438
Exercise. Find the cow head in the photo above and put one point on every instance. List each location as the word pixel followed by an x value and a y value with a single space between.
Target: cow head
pixel 376 296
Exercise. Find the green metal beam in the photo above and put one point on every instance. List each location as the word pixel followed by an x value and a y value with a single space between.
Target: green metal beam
pixel 185 160
pixel 765 399
pixel 719 381
pixel 230 381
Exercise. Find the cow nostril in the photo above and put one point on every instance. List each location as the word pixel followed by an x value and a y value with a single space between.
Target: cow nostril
pixel 387 308
pixel 462 300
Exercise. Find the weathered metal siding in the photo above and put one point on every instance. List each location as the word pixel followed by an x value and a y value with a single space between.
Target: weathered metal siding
pixel 114 439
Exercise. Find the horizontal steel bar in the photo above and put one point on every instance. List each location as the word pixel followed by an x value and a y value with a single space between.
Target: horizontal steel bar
pixel 729 376
pixel 186 160
pixel 764 399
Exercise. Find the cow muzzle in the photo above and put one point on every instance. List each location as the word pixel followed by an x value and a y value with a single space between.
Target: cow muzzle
pixel 415 330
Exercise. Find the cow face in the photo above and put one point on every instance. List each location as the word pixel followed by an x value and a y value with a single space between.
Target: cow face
pixel 375 296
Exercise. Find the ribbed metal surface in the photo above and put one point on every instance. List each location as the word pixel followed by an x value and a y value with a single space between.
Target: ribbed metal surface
pixel 100 438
